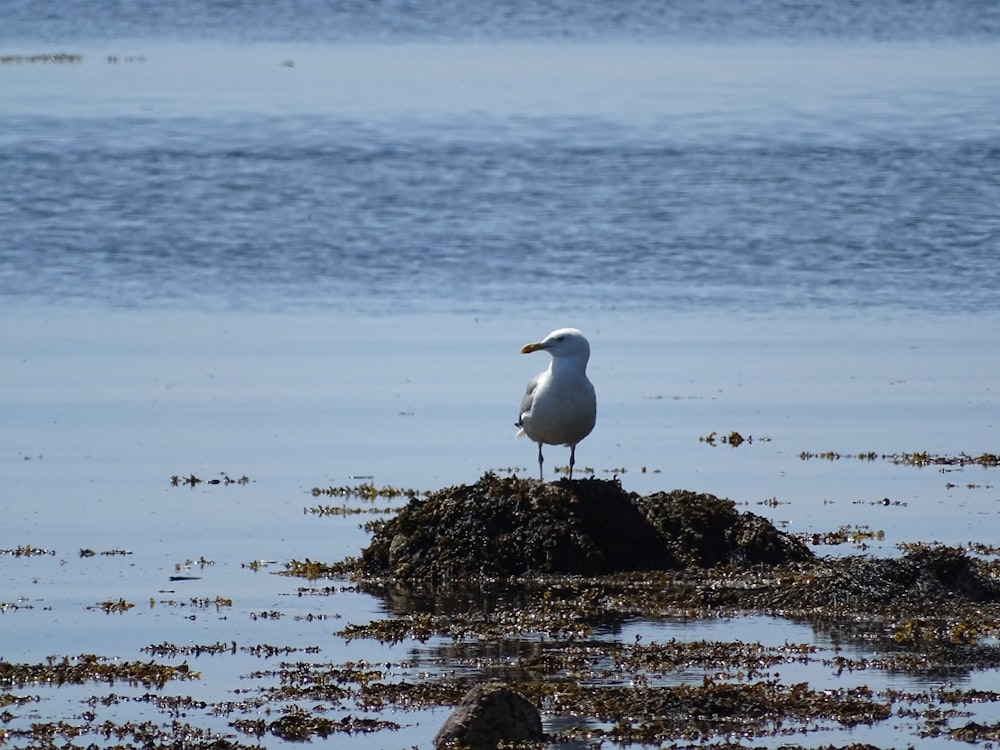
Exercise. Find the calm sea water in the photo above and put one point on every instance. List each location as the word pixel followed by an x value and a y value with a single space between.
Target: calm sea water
pixel 634 20
pixel 755 162
pixel 304 242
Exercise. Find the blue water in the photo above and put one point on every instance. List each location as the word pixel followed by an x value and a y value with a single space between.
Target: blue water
pixel 305 241
pixel 654 159
pixel 129 211
pixel 634 20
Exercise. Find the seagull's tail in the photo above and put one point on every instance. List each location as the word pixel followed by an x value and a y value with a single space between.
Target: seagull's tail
pixel 520 430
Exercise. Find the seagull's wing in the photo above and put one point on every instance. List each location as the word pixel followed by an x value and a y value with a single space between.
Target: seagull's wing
pixel 526 401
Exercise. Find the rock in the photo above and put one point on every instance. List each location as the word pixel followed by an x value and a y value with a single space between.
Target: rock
pixel 514 527
pixel 490 714
pixel 701 530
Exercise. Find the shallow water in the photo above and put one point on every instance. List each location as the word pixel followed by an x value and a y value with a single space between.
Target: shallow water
pixel 305 247
pixel 104 408
pixel 424 402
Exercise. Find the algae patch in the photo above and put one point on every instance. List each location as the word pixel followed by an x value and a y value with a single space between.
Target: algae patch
pixel 92 668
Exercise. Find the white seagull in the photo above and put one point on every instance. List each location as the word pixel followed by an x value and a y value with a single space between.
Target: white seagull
pixel 559 406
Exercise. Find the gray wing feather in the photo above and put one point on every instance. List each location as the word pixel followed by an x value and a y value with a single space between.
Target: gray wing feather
pixel 528 399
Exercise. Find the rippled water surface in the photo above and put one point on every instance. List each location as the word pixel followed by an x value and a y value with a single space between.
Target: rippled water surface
pixel 644 177
pixel 634 20
pixel 304 243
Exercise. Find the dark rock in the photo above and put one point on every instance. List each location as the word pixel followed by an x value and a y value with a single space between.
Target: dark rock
pixel 488 715
pixel 702 530
pixel 511 527
pixel 923 579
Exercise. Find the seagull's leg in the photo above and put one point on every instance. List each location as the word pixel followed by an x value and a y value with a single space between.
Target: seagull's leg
pixel 541 474
pixel 572 459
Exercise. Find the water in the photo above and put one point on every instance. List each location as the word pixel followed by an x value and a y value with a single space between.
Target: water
pixel 749 177
pixel 633 20
pixel 305 244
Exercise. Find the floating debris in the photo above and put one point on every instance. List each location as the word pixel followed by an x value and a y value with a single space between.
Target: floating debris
pixel 733 439
pixel 87 552
pixel 111 605
pixel 269 614
pixel 263 650
pixel 92 668
pixel 193 481
pixel 587 470
pixel 918 459
pixel 313 569
pixel 145 734
pixel 128 59
pixel 859 536
pixel 170 649
pixel 61 58
pixel 367 491
pixel 299 725
pixel 27 550
pixel 9 699
pixel 256 565
pixel 556 620
pixel 974 732
pixel 201 562
pixel 346 510
pixel 197 603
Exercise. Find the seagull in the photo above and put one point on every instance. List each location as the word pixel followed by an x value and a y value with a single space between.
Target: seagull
pixel 559 405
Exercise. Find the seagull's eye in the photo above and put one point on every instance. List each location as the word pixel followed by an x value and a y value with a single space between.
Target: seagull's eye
pixel 559 338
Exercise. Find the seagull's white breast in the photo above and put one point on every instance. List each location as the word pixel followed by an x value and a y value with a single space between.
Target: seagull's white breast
pixel 562 409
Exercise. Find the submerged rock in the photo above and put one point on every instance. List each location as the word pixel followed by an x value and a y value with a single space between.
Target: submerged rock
pixel 488 715
pixel 511 527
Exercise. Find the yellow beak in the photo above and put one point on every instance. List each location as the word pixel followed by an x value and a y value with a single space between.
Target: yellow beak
pixel 529 348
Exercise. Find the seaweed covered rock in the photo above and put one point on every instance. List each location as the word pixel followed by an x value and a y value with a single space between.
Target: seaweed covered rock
pixel 925 579
pixel 702 530
pixel 511 527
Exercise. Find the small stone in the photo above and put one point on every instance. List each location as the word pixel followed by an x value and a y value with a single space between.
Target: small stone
pixel 490 714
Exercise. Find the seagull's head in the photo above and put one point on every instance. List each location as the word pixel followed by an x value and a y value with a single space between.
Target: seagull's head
pixel 565 342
